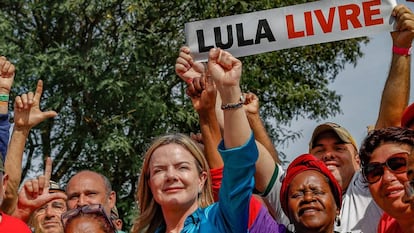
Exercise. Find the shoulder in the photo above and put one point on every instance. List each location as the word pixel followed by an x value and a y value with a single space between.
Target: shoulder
pixel 12 223
pixel 388 224
pixel 358 185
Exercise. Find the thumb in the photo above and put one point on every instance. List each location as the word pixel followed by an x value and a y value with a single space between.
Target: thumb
pixel 49 114
pixel 213 55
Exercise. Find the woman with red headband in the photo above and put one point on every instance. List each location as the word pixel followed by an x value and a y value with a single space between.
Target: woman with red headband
pixel 310 196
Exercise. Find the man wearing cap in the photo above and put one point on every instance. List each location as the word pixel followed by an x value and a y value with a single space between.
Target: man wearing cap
pixel 335 146
pixel 46 219
pixel 407 120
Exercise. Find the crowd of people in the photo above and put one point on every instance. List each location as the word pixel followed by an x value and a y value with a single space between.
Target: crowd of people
pixel 228 177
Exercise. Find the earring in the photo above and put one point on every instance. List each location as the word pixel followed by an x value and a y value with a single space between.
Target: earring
pixel 290 227
pixel 338 220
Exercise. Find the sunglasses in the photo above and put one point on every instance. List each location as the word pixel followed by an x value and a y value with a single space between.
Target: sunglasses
pixel 397 163
pixel 93 209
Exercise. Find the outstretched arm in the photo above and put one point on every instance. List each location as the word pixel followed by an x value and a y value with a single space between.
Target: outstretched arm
pixel 251 106
pixel 396 91
pixel 238 148
pixel 226 71
pixel 202 92
pixel 27 114
pixel 203 96
pixel 7 72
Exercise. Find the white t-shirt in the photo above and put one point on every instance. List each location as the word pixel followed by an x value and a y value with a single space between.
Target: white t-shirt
pixel 272 198
pixel 359 212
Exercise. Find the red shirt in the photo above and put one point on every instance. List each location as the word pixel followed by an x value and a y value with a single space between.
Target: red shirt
pixel 11 224
pixel 388 224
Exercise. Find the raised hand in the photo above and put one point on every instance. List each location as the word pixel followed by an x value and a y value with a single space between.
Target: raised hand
pixel 202 92
pixel 7 72
pixel 27 113
pixel 251 104
pixel 186 68
pixel 404 34
pixel 35 193
pixel 224 68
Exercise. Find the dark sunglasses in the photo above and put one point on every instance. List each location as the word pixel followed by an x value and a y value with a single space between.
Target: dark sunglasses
pixel 94 209
pixel 397 163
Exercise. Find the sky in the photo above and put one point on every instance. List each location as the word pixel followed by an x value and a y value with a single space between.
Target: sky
pixel 360 87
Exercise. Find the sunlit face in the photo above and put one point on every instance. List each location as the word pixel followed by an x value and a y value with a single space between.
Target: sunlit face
pixel 84 224
pixel 340 158
pixel 311 204
pixel 87 188
pixel 175 181
pixel 389 189
pixel 48 216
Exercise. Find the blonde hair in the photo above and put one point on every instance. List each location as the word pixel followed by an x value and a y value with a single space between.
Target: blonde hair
pixel 150 214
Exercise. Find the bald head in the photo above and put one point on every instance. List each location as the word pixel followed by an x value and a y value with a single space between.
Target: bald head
pixel 89 187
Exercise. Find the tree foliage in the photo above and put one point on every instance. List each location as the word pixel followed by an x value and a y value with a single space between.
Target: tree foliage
pixel 108 70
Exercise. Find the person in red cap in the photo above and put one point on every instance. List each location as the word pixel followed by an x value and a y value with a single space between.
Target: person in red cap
pixel 407 119
pixel 359 212
pixel 310 195
pixel 334 145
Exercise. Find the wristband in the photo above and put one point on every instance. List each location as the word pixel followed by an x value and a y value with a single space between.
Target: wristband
pixel 401 51
pixel 234 105
pixel 3 103
pixel 4 98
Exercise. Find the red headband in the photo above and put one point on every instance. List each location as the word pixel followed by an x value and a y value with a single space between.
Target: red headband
pixel 303 163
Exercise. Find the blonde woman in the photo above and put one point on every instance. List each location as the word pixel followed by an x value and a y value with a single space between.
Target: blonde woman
pixel 174 190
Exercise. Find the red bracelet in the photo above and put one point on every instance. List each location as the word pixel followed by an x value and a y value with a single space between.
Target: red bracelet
pixel 401 51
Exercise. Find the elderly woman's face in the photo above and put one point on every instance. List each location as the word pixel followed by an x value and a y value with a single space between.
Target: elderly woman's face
pixel 311 203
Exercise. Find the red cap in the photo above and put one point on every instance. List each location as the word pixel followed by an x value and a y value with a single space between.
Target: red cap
pixel 408 116
pixel 303 163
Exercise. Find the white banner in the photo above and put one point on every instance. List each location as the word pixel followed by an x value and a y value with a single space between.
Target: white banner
pixel 287 27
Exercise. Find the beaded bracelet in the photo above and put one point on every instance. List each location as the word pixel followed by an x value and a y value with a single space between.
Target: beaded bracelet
pixel 234 105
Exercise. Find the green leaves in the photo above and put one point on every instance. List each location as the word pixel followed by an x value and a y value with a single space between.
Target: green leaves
pixel 108 70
